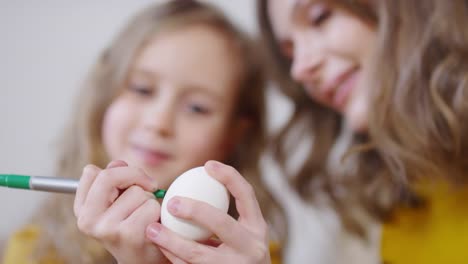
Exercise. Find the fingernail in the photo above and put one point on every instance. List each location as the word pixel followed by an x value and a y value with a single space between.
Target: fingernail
pixel 153 231
pixel 173 205
pixel 90 169
pixel 87 169
pixel 116 163
pixel 214 164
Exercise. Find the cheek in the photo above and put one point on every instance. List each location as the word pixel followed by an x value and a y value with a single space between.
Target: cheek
pixel 358 36
pixel 205 142
pixel 116 124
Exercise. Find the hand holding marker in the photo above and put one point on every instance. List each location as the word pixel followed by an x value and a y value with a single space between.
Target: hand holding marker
pixel 194 183
pixel 47 184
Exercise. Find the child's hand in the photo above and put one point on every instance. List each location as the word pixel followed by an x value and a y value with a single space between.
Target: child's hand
pixel 114 206
pixel 242 241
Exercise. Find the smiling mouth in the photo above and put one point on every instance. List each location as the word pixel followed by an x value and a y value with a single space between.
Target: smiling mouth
pixel 151 157
pixel 344 89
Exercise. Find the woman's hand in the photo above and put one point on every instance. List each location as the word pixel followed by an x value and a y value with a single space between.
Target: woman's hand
pixel 240 241
pixel 114 206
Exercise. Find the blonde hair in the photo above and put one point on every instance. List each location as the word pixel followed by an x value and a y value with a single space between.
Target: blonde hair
pixel 425 50
pixel 82 143
pixel 418 107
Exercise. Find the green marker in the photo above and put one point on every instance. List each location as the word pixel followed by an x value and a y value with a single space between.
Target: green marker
pixel 48 184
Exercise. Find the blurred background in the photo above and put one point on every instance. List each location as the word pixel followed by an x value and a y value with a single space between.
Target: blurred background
pixel 46 49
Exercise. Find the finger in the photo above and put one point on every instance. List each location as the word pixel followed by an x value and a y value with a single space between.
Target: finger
pixel 213 242
pixel 133 228
pixel 172 258
pixel 187 250
pixel 87 178
pixel 221 224
pixel 149 212
pixel 129 201
pixel 116 163
pixel 246 201
pixel 109 182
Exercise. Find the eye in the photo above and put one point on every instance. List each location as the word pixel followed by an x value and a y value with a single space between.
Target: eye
pixel 198 109
pixel 318 14
pixel 140 89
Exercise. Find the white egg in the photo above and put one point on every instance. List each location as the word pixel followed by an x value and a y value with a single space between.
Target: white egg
pixel 198 185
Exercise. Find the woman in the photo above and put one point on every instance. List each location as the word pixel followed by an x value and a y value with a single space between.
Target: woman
pixel 383 100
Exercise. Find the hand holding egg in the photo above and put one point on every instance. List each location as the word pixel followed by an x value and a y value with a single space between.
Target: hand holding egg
pixel 241 240
pixel 198 185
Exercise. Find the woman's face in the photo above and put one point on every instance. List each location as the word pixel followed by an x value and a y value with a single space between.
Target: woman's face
pixel 330 50
pixel 176 109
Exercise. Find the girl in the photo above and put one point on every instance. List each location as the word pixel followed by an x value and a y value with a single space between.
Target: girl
pixel 177 87
pixel 385 83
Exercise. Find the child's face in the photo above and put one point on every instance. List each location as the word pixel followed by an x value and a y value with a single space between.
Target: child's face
pixel 175 112
pixel 330 50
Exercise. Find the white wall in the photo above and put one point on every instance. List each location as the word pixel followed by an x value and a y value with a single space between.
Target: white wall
pixel 46 48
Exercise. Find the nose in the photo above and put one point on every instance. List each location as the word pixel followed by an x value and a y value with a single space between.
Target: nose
pixel 307 60
pixel 159 116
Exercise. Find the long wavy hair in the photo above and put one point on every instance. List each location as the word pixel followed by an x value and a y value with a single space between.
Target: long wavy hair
pixel 82 143
pixel 419 103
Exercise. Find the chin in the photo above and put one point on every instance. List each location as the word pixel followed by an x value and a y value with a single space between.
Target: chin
pixel 356 115
pixel 357 122
pixel 359 128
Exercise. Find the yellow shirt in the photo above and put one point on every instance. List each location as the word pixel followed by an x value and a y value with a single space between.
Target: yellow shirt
pixel 21 245
pixel 437 233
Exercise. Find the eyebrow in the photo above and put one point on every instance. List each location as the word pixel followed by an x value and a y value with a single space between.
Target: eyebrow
pixel 142 72
pixel 200 89
pixel 298 4
pixel 192 88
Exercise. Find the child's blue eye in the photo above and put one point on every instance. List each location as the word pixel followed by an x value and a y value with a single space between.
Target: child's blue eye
pixel 141 90
pixel 198 109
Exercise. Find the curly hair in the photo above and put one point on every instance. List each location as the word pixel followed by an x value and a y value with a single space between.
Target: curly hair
pixel 416 126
